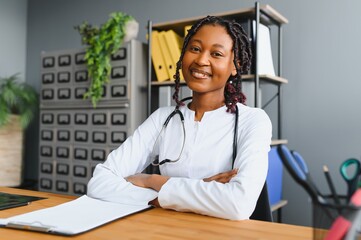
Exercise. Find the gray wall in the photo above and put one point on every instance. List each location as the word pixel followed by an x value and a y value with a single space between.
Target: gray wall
pixel 13 20
pixel 321 57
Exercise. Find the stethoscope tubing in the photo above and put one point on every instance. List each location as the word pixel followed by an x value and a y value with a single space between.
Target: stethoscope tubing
pixel 176 111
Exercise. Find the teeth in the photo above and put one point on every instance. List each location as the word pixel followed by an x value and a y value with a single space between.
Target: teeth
pixel 199 75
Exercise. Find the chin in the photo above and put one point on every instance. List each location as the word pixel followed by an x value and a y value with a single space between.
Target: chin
pixel 196 87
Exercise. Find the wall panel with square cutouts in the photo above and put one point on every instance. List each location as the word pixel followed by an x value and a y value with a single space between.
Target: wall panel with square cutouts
pixel 74 136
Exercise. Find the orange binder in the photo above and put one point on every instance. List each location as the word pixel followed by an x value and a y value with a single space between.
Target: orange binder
pixel 169 63
pixel 157 58
pixel 174 43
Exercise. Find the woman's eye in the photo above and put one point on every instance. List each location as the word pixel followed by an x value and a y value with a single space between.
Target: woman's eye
pixel 194 48
pixel 217 54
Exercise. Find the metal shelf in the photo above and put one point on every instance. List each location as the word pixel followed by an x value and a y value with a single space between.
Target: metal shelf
pixel 275 142
pixel 269 17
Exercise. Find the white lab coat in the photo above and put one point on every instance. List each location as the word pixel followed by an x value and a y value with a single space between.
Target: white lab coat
pixel 208 151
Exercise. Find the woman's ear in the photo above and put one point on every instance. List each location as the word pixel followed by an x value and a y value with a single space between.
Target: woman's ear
pixel 234 70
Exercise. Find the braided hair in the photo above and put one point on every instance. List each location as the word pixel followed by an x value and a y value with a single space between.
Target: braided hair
pixel 242 59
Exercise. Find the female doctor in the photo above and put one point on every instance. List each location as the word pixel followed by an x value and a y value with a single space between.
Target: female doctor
pixel 215 161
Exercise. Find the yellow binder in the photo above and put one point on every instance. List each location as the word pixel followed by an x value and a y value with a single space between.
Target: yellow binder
pixel 169 63
pixel 174 43
pixel 186 29
pixel 157 58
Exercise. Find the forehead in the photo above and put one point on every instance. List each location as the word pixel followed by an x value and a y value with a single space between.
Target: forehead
pixel 214 35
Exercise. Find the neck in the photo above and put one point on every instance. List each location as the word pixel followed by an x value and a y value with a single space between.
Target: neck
pixel 201 104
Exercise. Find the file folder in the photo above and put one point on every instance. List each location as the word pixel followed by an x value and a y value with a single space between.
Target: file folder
pixel 186 29
pixel 169 63
pixel 157 58
pixel 265 63
pixel 174 44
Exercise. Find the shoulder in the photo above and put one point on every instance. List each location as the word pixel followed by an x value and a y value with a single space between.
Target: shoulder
pixel 155 120
pixel 161 113
pixel 252 116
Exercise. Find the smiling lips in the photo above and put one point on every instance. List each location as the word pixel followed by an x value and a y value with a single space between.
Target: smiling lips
pixel 199 73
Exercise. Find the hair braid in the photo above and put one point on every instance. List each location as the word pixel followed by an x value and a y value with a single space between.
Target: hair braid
pixel 189 35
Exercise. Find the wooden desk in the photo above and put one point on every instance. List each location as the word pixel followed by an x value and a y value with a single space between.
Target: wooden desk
pixel 156 224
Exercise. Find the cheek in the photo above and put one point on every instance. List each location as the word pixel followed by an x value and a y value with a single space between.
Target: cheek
pixel 229 68
pixel 185 62
pixel 223 70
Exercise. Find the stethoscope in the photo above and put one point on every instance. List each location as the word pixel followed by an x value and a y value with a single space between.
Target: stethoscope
pixel 176 111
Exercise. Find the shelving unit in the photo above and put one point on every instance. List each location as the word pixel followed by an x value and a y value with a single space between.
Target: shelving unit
pixel 265 15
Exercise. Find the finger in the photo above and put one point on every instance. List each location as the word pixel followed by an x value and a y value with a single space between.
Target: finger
pixel 224 174
pixel 218 177
pixel 221 175
pixel 207 179
pixel 225 179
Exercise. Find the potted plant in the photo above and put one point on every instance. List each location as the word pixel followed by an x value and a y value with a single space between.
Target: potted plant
pixel 101 42
pixel 18 103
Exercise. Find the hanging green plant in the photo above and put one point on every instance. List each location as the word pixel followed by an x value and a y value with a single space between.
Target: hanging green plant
pixel 101 43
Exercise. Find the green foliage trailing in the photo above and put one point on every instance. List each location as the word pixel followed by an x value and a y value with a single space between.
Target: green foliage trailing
pixel 101 44
pixel 17 98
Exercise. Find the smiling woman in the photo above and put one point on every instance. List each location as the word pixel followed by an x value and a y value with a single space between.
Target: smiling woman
pixel 221 160
pixel 207 65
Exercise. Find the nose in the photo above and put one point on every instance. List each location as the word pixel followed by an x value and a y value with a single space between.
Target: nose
pixel 202 59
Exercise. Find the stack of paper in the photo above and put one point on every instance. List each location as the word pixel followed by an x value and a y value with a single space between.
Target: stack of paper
pixel 265 60
pixel 73 217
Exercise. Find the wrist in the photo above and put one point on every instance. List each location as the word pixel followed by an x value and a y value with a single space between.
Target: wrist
pixel 157 181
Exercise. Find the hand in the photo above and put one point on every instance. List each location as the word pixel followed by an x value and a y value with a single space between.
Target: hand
pixel 154 203
pixel 153 181
pixel 224 177
pixel 140 180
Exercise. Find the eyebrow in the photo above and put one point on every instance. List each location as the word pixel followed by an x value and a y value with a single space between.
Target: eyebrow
pixel 214 45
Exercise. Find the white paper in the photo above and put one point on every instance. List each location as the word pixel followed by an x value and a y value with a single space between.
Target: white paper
pixel 79 215
pixel 265 60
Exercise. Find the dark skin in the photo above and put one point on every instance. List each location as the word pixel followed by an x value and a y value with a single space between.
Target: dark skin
pixel 206 66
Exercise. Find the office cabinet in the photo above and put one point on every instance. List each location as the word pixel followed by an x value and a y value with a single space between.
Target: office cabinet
pixel 75 136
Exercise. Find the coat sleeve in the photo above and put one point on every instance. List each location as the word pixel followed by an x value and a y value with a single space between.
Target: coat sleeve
pixel 235 200
pixel 132 157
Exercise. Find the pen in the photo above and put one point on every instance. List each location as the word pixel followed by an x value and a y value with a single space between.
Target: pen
pixel 330 184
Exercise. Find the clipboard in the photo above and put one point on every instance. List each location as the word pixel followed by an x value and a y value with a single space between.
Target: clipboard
pixel 8 200
pixel 73 217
